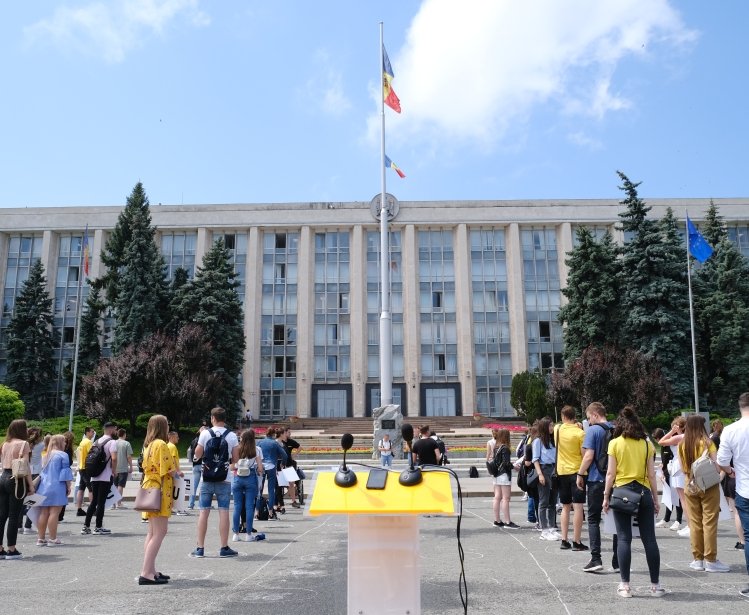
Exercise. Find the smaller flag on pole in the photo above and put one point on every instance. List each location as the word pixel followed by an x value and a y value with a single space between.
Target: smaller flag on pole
pixel 389 164
pixel 698 246
pixel 86 252
pixel 391 100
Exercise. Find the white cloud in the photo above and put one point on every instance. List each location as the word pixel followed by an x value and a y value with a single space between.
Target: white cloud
pixel 326 86
pixel 111 29
pixel 583 140
pixel 472 70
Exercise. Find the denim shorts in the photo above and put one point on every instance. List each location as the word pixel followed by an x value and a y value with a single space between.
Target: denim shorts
pixel 221 490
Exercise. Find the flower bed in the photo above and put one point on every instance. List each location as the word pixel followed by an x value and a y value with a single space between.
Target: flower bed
pixel 512 427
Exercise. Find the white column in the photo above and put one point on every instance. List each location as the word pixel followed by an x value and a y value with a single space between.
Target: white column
pixel 464 319
pixel 202 245
pixel 4 239
pixel 97 245
pixel 50 250
pixel 516 299
pixel 564 246
pixel 253 296
pixel 411 326
pixel 305 322
pixel 358 319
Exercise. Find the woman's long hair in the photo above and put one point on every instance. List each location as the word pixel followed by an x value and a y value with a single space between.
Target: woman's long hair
pixel 543 432
pixel 56 443
pixel 628 424
pixel 17 430
pixel 34 436
pixel 694 443
pixel 503 437
pixel 158 429
pixel 247 448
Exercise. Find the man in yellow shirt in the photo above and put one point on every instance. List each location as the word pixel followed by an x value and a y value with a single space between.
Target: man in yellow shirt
pixel 84 482
pixel 569 441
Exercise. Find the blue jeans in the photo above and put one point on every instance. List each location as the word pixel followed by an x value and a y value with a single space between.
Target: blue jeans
pixel 386 461
pixel 646 521
pixel 742 507
pixel 244 490
pixel 197 473
pixel 272 481
pixel 222 491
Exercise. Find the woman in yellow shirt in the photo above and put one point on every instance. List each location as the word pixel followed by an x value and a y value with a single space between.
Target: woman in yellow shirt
pixel 704 506
pixel 631 465
pixel 158 471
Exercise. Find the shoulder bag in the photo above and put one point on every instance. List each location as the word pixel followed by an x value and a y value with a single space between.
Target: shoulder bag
pixel 704 473
pixel 148 500
pixel 20 467
pixel 626 499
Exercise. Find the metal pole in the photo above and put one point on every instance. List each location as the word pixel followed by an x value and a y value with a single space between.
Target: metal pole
pixel 78 311
pixel 691 323
pixel 386 335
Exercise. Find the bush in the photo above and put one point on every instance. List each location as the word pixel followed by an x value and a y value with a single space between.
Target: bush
pixel 11 406
pixel 60 425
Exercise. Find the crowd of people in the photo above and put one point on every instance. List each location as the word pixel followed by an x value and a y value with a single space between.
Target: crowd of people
pixel 584 470
pixel 611 468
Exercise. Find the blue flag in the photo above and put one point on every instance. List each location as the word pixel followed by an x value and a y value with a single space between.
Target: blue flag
pixel 698 246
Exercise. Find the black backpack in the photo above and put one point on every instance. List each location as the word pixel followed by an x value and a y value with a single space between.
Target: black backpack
pixel 261 505
pixel 473 472
pixel 497 465
pixel 191 450
pixel 603 463
pixel 97 459
pixel 216 458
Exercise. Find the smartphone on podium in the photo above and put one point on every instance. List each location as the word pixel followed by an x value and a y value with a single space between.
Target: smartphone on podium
pixel 377 479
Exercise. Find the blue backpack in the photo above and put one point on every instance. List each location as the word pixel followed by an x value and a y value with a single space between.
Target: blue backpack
pixel 216 458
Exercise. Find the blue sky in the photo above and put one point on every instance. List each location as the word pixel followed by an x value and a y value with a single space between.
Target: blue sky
pixel 243 101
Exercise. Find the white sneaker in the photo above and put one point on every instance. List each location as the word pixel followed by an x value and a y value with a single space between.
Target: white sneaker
pixel 698 564
pixel 28 530
pixel 716 566
pixel 235 538
pixel 524 497
pixel 545 535
pixel 661 523
pixel 555 535
pixel 684 532
pixel 675 526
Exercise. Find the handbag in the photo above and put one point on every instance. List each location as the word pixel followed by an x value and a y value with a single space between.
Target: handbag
pixel 148 500
pixel 20 467
pixel 704 473
pixel 626 499
pixel 531 476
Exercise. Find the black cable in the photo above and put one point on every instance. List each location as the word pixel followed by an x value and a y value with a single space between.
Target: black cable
pixel 462 582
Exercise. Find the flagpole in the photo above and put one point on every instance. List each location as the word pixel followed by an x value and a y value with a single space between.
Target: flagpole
pixel 386 334
pixel 691 319
pixel 78 311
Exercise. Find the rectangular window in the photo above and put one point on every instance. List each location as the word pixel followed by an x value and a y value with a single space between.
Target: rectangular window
pixel 68 335
pixel 437 300
pixel 280 241
pixel 279 335
pixel 229 241
pixel 280 272
pixel 544 330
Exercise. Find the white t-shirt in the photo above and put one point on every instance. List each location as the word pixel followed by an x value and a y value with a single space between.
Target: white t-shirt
pixel 734 444
pixel 231 441
pixel 387 445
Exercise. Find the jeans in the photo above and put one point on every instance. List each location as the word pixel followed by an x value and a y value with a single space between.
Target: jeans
pixel 386 461
pixel 197 473
pixel 646 521
pixel 100 491
pixel 10 508
pixel 532 516
pixel 595 507
pixel 272 484
pixel 222 491
pixel 742 507
pixel 547 499
pixel 244 490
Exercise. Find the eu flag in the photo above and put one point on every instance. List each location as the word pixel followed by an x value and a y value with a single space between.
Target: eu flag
pixel 698 246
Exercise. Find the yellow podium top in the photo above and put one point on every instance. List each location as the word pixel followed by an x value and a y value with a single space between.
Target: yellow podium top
pixel 432 496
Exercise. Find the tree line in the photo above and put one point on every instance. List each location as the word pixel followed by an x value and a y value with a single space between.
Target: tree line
pixel 627 326
pixel 178 348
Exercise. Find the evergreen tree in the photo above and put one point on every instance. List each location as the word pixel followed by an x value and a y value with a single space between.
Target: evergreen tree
pixel 721 304
pixel 141 296
pixel 89 349
pixel 179 279
pixel 528 396
pixel 654 299
pixel 211 301
pixel 592 311
pixel 30 348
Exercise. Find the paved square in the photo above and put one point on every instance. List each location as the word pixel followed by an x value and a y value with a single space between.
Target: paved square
pixel 301 568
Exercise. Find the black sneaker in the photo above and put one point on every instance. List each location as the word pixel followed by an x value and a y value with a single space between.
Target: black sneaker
pixel 85 530
pixel 499 524
pixel 102 531
pixel 745 592
pixel 615 564
pixel 739 546
pixel 227 552
pixel 512 526
pixel 13 554
pixel 565 545
pixel 578 546
pixel 80 513
pixel 594 565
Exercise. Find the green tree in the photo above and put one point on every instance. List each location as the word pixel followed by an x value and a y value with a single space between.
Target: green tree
pixel 528 396
pixel 11 406
pixel 211 301
pixel 591 314
pixel 141 295
pixel 30 347
pixel 654 299
pixel 721 305
pixel 179 279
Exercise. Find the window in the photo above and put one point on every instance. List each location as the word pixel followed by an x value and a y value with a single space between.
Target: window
pixel 68 335
pixel 544 328
pixel 279 335
pixel 229 241
pixel 437 299
pixel 280 241
pixel 73 275
pixel 280 272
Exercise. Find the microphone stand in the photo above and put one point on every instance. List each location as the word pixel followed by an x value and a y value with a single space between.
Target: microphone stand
pixel 345 477
pixel 410 476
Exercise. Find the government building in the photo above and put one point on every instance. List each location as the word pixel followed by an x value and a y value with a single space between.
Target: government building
pixel 475 291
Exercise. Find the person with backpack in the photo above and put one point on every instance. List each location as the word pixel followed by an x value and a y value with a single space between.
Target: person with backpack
pixel 544 460
pixel 500 467
pixel 594 464
pixel 87 441
pixel 247 469
pixel 15 485
pixel 703 504
pixel 197 467
pixel 99 462
pixel 273 453
pixel 441 445
pixel 385 446
pixel 217 448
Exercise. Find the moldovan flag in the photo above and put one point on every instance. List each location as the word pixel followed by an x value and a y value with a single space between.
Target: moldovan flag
pixel 391 100
pixel 86 252
pixel 389 164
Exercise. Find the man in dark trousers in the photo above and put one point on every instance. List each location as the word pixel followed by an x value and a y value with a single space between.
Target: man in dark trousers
pixel 427 451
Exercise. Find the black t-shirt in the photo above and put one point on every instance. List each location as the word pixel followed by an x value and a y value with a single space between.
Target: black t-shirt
pixel 289 447
pixel 425 451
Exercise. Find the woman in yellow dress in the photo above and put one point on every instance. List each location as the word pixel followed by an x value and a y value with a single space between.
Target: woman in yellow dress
pixel 158 471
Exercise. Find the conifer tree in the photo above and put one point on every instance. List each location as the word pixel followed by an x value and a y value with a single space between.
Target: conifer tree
pixel 89 348
pixel 591 314
pixel 30 347
pixel 211 301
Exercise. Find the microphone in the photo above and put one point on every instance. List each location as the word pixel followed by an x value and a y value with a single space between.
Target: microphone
pixel 345 477
pixel 410 476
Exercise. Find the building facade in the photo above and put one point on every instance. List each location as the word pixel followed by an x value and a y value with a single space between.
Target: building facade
pixel 475 291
